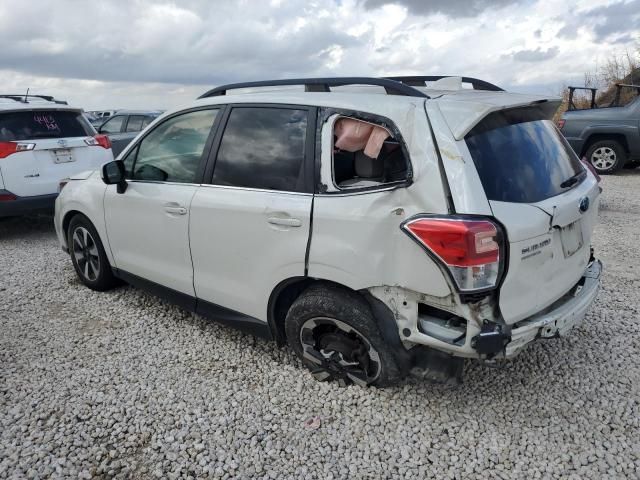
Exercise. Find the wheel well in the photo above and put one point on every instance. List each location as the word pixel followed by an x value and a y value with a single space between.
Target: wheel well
pixel 596 137
pixel 67 219
pixel 281 299
pixel 283 296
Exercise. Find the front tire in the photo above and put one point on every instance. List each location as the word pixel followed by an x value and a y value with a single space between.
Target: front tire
pixel 88 255
pixel 335 334
pixel 606 156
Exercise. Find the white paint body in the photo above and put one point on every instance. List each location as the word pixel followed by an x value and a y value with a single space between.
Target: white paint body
pixel 226 250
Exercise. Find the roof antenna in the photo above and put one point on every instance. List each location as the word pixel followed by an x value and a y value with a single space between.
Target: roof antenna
pixel 26 95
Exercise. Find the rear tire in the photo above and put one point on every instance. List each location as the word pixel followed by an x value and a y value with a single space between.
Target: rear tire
pixel 88 256
pixel 606 156
pixel 334 333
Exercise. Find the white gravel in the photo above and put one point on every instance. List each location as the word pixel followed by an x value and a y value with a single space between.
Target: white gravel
pixel 122 385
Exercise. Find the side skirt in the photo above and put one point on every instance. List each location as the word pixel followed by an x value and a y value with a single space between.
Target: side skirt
pixel 208 310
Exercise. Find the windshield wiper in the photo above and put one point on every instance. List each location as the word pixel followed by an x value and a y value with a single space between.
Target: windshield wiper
pixel 571 181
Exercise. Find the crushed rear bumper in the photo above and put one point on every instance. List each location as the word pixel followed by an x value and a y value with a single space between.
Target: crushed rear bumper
pixel 559 318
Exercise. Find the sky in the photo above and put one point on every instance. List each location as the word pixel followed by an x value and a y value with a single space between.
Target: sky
pixel 161 54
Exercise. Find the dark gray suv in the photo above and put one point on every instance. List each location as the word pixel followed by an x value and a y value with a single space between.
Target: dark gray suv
pixel 123 127
pixel 608 137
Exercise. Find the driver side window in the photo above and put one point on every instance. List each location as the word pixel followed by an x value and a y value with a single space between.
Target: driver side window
pixel 171 152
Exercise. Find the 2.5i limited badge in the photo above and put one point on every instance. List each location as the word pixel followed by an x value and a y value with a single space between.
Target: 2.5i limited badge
pixel 534 249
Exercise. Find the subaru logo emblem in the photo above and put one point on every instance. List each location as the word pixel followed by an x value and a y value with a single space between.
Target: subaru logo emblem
pixel 584 204
pixel 62 142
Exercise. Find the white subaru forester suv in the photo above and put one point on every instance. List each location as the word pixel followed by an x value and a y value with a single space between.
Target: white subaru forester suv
pixel 379 226
pixel 43 141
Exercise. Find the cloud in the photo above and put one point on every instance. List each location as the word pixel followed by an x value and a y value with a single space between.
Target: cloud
pixel 536 55
pixel 452 8
pixel 615 22
pixel 615 19
pixel 163 53
pixel 164 42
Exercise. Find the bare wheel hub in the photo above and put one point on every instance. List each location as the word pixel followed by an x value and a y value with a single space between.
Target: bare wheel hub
pixel 334 349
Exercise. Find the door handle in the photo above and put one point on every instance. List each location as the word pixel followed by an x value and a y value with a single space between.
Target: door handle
pixel 287 222
pixel 174 208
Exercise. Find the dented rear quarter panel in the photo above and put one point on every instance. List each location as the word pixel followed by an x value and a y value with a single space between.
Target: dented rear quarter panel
pixel 374 251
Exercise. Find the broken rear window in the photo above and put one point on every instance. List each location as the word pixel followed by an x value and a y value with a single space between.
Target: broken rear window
pixel 366 155
pixel 30 125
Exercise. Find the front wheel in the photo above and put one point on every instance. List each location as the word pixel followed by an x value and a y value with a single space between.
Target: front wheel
pixel 335 334
pixel 88 255
pixel 606 156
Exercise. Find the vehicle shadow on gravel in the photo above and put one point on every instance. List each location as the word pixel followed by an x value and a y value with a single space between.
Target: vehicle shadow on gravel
pixel 25 227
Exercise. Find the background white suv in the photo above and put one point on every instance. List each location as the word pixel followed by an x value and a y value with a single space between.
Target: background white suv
pixel 42 141
pixel 398 226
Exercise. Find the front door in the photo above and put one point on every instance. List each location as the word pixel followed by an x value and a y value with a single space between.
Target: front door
pixel 148 224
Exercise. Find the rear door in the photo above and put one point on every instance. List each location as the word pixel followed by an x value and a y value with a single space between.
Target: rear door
pixel 57 148
pixel 545 199
pixel 249 227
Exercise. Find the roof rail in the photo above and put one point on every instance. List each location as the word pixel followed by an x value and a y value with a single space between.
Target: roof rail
pixel 419 81
pixel 392 87
pixel 20 97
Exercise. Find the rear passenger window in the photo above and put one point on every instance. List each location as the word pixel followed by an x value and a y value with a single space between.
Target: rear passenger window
pixel 366 155
pixel 171 152
pixel 263 148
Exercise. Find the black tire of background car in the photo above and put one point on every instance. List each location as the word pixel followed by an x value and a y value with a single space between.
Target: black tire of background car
pixel 621 155
pixel 105 279
pixel 332 301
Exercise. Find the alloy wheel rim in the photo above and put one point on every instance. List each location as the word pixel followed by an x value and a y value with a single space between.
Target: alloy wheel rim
pixel 85 253
pixel 334 349
pixel 603 158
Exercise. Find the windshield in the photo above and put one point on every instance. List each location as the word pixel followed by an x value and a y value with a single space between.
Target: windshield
pixel 521 157
pixel 34 124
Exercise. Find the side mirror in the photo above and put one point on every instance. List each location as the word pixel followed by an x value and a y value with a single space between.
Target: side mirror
pixel 113 173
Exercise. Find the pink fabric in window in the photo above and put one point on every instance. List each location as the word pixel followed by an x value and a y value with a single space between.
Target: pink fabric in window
pixel 353 135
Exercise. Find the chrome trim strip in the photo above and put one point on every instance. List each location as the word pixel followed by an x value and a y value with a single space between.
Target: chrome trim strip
pixel 230 187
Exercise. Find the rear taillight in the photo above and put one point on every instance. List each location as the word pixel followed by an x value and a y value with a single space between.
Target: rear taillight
pixel 470 249
pixel 591 169
pixel 7 196
pixel 8 148
pixel 561 123
pixel 98 141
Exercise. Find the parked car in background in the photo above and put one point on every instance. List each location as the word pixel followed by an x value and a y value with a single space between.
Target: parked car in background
pixel 608 136
pixel 122 127
pixel 398 227
pixel 42 141
pixel 93 120
pixel 103 114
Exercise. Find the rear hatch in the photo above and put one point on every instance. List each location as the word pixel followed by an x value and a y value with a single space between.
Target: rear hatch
pixel 55 143
pixel 545 199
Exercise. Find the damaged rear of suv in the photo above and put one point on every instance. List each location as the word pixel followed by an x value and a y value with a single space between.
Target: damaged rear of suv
pixel 376 232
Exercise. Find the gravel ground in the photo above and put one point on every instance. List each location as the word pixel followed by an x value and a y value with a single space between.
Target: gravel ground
pixel 122 385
